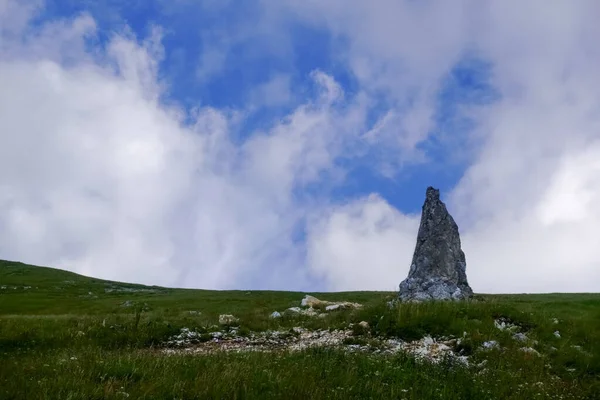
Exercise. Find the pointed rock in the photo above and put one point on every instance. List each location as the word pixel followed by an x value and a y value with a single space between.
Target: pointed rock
pixel 438 269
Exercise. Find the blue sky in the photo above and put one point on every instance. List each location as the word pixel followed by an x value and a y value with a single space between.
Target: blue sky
pixel 191 29
pixel 288 145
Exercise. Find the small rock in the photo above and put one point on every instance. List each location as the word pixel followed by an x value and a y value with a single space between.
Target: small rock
pixel 128 303
pixel 275 314
pixel 521 337
pixel 555 320
pixel 332 307
pixel 227 319
pixel 364 324
pixel 504 325
pixel 295 310
pixel 557 334
pixel 310 312
pixel 530 350
pixel 490 344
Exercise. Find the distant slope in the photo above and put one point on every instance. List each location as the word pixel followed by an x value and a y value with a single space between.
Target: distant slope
pixel 14 273
pixel 28 289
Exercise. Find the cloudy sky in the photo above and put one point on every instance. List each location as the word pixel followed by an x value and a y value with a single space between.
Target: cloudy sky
pixel 287 144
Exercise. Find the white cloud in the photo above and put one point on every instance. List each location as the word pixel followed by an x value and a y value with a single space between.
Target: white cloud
pixel 99 177
pixel 362 245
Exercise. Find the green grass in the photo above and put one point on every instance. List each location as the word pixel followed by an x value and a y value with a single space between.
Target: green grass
pixel 59 341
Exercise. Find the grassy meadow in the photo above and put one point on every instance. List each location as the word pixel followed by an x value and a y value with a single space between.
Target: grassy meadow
pixel 66 336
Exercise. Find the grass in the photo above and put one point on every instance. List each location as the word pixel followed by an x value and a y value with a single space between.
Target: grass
pixel 67 336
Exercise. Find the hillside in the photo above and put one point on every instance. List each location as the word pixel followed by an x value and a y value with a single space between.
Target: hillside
pixel 63 335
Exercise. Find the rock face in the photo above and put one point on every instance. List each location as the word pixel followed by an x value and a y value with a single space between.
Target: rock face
pixel 438 266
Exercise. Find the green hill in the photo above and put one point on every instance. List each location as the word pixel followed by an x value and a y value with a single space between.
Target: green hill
pixel 64 335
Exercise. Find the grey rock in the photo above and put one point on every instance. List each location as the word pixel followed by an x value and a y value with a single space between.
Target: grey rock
pixel 521 337
pixel 438 268
pixel 490 344
pixel 530 350
pixel 227 319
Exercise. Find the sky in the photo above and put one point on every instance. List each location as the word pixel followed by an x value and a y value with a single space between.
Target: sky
pixel 287 144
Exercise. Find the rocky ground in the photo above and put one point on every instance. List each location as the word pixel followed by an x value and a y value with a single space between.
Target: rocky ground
pixel 298 338
pixel 355 338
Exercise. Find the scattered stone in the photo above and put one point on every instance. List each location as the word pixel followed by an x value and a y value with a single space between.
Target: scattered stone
pixel 490 344
pixel 364 324
pixel 505 325
pixel 227 319
pixel 275 314
pixel 438 268
pixel 555 320
pixel 557 334
pixel 313 302
pixel 427 349
pixel 529 350
pixel 581 350
pixel 521 337
pixel 123 289
pixel 193 312
pixel 310 312
pixel 127 303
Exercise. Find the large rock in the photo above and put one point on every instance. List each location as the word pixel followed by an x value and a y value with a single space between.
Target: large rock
pixel 438 269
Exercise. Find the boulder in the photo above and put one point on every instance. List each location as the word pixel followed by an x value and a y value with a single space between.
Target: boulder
pixel 310 301
pixel 438 268
pixel 313 302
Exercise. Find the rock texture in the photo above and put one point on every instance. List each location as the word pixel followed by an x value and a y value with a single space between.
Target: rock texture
pixel 438 269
